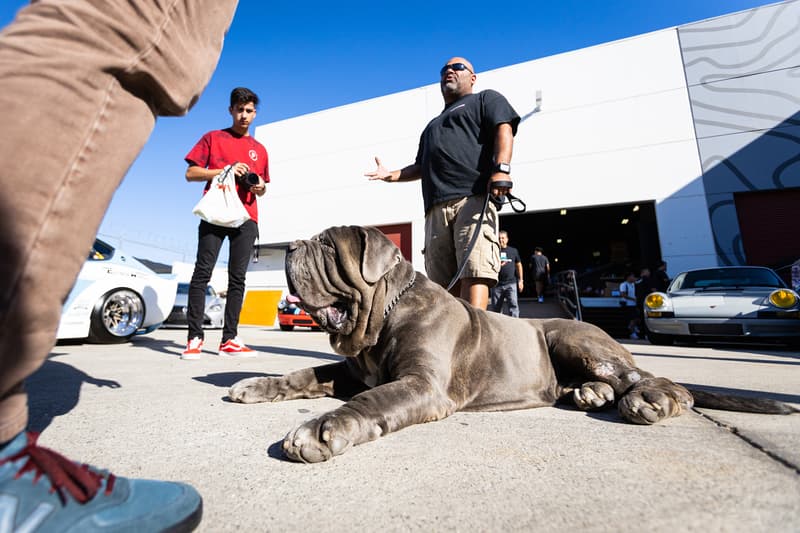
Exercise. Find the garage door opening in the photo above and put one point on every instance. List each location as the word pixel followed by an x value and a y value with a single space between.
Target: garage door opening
pixel 600 243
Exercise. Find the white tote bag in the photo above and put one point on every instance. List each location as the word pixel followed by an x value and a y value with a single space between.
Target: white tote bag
pixel 221 205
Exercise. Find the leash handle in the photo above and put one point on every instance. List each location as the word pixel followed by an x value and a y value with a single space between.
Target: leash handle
pixel 499 201
pixel 517 205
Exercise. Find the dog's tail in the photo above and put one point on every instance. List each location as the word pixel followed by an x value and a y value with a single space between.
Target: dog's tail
pixel 742 404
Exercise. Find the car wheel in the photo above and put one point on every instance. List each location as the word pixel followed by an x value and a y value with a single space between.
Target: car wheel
pixel 116 317
pixel 286 327
pixel 659 339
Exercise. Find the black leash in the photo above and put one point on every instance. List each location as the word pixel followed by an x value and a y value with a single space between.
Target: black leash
pixel 499 201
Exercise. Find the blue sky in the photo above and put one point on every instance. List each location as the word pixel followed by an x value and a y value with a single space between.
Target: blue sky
pixel 304 57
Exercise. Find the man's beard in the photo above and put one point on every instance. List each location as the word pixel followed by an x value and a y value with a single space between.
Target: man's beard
pixel 450 88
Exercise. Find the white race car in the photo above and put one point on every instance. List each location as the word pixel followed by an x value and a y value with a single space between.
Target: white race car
pixel 114 298
pixel 730 303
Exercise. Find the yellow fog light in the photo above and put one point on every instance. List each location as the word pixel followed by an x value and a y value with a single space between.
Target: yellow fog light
pixel 783 298
pixel 654 301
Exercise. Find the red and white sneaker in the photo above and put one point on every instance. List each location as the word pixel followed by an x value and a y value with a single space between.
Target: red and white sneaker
pixel 193 348
pixel 235 347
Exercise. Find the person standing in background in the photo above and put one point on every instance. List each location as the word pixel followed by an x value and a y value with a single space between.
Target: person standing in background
pixel 463 155
pixel 248 157
pixel 627 293
pixel 540 266
pixel 510 280
pixel 661 278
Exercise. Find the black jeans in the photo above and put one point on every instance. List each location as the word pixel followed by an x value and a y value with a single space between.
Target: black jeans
pixel 240 242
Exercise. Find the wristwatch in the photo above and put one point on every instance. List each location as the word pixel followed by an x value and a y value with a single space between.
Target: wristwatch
pixel 505 168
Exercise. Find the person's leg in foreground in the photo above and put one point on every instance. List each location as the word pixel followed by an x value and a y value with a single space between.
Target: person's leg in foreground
pixel 81 84
pixel 483 263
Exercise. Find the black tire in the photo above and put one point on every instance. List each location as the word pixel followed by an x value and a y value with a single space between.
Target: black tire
pixel 286 327
pixel 660 339
pixel 116 317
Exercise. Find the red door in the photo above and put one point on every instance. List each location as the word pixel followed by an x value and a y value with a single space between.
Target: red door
pixel 400 234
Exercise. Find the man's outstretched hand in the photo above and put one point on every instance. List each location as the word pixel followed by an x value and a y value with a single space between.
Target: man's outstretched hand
pixel 380 173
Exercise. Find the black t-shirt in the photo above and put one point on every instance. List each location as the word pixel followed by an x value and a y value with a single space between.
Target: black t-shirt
pixel 456 149
pixel 509 257
pixel 644 286
pixel 660 280
pixel 540 263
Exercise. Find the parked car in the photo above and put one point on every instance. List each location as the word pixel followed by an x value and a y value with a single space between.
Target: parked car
pixel 724 303
pixel 213 317
pixel 290 315
pixel 114 298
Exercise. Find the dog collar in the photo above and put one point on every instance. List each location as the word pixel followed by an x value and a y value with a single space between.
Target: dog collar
pixel 399 294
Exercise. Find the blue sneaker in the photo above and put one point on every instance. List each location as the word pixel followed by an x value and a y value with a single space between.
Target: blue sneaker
pixel 43 491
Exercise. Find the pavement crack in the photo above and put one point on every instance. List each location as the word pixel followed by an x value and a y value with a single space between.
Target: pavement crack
pixel 735 431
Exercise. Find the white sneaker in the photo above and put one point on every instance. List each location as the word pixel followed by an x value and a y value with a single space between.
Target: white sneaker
pixel 193 348
pixel 634 336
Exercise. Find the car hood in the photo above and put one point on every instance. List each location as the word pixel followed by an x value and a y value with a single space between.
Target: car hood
pixel 718 304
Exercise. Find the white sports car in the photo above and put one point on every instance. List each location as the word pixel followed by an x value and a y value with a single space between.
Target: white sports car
pixel 114 298
pixel 724 303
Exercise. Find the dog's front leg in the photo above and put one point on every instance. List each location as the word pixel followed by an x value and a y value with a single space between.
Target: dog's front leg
pixel 367 416
pixel 327 380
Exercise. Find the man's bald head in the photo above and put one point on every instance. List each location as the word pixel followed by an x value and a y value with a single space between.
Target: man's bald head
pixel 457 79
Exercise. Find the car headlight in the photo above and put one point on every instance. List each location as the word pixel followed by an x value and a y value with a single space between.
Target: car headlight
pixel 655 300
pixel 658 305
pixel 215 307
pixel 783 298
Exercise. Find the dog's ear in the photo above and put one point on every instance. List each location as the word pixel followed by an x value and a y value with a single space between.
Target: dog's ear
pixel 379 254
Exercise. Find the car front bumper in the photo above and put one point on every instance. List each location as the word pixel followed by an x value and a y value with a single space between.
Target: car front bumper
pixel 726 327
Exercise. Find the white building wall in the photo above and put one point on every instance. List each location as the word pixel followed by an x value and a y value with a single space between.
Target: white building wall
pixel 614 126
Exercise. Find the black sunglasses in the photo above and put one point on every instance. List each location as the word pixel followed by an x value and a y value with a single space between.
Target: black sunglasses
pixel 455 67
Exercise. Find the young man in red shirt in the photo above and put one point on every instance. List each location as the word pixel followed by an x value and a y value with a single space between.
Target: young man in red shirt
pixel 216 150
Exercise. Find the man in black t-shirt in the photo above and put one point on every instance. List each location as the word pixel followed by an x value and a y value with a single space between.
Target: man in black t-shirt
pixel 661 278
pixel 540 266
pixel 461 153
pixel 509 281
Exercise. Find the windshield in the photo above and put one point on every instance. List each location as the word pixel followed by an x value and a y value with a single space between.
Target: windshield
pixel 726 278
pixel 101 251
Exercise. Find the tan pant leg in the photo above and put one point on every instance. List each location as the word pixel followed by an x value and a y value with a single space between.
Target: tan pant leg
pixel 80 86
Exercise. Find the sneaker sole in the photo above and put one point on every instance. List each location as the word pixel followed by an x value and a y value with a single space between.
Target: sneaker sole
pixel 188 524
pixel 238 354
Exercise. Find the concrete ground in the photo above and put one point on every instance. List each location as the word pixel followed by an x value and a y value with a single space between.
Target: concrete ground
pixel 141 411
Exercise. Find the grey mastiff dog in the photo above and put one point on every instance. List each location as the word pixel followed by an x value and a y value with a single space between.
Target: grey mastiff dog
pixel 416 354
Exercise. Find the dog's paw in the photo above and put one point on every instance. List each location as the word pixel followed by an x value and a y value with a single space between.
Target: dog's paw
pixel 254 390
pixel 593 395
pixel 654 399
pixel 318 440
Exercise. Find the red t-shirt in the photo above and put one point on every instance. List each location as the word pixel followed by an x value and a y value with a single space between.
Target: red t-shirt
pixel 219 148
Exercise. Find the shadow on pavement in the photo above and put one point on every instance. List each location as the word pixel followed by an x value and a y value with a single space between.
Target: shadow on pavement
pixel 790 398
pixel 158 345
pixel 717 358
pixel 54 390
pixel 291 352
pixel 226 379
pixel 275 451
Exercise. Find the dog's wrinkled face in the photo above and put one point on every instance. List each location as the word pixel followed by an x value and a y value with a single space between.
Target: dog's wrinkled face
pixel 332 275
